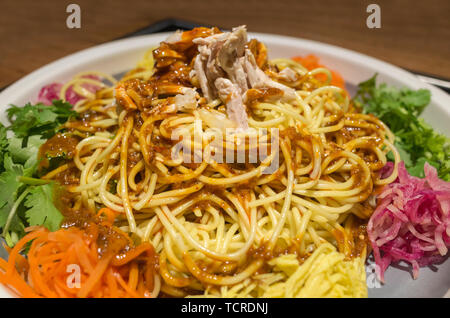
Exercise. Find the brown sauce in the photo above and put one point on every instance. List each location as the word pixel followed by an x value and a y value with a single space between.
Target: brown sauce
pixel 263 94
pixel 60 145
pixel 109 238
pixel 69 176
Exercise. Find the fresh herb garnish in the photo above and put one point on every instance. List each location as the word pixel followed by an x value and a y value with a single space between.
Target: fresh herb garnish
pixel 3 144
pixel 24 150
pixel 42 210
pixel 400 109
pixel 24 199
pixel 39 119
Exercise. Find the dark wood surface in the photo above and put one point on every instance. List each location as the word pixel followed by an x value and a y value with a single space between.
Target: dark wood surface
pixel 414 34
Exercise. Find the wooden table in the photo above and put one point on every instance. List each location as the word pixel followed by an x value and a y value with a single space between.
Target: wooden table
pixel 413 34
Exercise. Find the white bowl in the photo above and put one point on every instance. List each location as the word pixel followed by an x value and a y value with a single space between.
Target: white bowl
pixel 119 56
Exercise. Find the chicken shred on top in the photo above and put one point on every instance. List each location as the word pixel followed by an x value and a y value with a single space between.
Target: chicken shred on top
pixel 219 65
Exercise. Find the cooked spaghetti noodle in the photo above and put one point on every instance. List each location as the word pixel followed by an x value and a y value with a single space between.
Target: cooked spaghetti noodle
pixel 229 229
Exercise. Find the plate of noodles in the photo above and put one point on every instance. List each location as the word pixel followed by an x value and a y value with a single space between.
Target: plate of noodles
pixel 223 164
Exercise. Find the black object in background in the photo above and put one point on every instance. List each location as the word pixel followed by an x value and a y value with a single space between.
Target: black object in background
pixel 166 25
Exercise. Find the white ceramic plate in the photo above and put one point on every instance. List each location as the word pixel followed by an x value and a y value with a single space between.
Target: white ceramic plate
pixel 119 56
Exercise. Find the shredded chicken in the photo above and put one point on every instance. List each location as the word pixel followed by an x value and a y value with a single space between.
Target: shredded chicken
pixel 288 75
pixel 258 79
pixel 174 37
pixel 187 100
pixel 230 94
pixel 225 68
pixel 230 57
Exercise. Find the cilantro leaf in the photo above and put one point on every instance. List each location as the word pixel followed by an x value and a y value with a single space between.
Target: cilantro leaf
pixel 25 200
pixel 400 109
pixel 9 180
pixel 406 157
pixel 39 119
pixel 42 210
pixel 25 150
pixel 9 189
pixel 3 145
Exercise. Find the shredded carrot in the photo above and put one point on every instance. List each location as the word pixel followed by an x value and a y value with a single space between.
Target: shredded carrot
pixel 20 261
pixel 109 213
pixel 95 277
pixel 311 62
pixel 132 254
pixel 49 269
pixel 134 276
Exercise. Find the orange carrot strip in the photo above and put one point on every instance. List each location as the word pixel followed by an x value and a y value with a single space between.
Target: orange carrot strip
pixel 39 282
pixel 131 254
pixel 44 273
pixel 133 276
pixel 19 246
pixel 112 283
pixel 95 276
pixel 3 264
pixel 311 62
pixel 110 214
pixel 124 285
pixel 17 284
